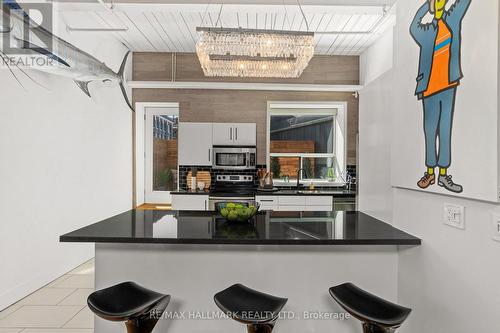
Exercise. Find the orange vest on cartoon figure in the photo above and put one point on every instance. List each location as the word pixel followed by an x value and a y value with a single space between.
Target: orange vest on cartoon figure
pixel 440 72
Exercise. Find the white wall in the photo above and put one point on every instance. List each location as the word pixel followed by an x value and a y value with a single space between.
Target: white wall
pixel 377 59
pixel 66 162
pixel 374 151
pixel 450 280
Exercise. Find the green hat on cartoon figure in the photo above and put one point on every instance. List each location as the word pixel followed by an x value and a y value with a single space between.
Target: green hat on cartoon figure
pixel 437 8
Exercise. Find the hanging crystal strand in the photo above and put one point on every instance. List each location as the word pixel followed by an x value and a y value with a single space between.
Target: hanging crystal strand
pixel 254 53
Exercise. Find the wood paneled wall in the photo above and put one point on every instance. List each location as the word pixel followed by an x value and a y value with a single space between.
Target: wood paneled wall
pixel 246 106
pixel 321 70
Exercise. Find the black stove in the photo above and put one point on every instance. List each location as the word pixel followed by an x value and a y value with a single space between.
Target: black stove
pixel 233 186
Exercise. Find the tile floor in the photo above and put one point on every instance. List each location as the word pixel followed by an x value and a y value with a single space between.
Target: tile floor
pixel 59 307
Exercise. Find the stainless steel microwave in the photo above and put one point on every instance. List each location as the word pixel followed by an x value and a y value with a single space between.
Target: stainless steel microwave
pixel 234 158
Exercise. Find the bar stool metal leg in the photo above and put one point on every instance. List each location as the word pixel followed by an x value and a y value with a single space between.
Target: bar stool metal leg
pixel 146 323
pixel 260 328
pixel 140 325
pixel 368 328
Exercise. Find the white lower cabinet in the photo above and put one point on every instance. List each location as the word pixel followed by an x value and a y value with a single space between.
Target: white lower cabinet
pixel 267 202
pixel 319 201
pixel 294 203
pixel 189 202
pixel 290 200
pixel 291 203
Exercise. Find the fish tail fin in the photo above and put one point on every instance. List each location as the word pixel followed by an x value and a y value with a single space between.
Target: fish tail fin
pixel 124 92
pixel 121 74
pixel 121 71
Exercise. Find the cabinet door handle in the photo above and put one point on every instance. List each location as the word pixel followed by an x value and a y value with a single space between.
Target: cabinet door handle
pixel 205 204
pixel 270 200
pixel 209 154
pixel 236 131
pixel 231 134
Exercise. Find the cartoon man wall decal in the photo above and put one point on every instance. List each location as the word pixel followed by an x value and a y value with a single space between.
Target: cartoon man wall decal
pixel 439 75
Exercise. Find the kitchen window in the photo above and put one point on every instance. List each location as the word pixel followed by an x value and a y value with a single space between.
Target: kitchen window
pixel 307 137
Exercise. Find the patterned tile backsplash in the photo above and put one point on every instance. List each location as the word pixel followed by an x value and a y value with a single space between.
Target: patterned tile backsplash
pixel 184 169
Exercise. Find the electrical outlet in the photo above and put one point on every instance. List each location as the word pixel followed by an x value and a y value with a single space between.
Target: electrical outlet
pixel 454 216
pixel 496 227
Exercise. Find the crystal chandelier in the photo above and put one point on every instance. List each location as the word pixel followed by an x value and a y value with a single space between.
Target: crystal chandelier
pixel 253 52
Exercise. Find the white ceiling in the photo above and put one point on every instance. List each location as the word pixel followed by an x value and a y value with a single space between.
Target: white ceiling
pixel 260 2
pixel 172 27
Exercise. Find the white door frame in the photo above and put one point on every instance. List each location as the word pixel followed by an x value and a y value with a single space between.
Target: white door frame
pixel 140 145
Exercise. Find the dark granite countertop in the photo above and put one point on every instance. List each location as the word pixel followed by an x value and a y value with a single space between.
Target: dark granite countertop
pixel 267 228
pixel 189 192
pixel 318 192
pixel 337 193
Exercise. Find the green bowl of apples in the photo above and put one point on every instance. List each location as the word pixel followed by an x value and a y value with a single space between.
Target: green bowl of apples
pixel 237 211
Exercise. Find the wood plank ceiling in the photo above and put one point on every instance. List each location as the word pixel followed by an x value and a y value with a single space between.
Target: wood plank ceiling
pixel 340 30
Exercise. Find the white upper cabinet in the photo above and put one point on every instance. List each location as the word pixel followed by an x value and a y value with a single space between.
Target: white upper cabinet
pixel 231 134
pixel 223 134
pixel 245 134
pixel 195 144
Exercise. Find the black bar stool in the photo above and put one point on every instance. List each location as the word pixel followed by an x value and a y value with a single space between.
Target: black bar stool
pixel 377 314
pixel 138 307
pixel 257 310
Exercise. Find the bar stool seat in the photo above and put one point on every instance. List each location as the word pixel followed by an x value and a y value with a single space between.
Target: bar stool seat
pixel 259 311
pixel 139 307
pixel 377 314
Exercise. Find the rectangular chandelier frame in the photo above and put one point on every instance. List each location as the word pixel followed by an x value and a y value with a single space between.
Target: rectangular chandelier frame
pixel 254 31
pixel 239 52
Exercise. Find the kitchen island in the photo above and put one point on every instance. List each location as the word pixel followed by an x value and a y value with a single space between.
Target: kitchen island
pixel 193 255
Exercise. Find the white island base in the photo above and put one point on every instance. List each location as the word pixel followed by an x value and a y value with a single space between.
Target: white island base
pixel 192 274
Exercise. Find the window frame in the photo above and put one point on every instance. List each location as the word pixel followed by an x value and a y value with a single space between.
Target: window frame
pixel 338 110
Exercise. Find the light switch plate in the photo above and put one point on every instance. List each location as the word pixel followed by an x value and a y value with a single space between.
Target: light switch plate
pixel 496 227
pixel 453 215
